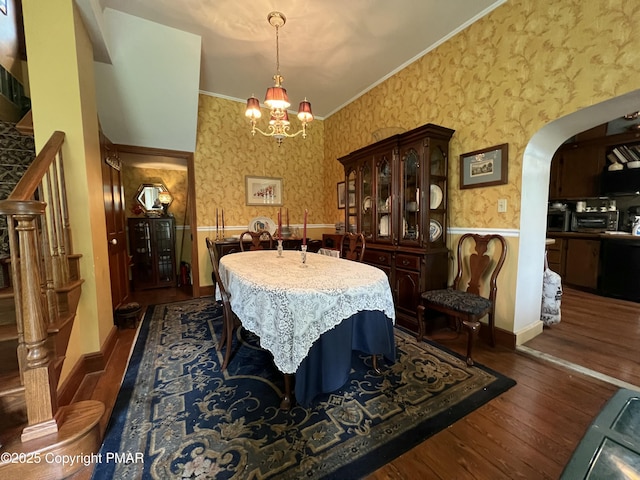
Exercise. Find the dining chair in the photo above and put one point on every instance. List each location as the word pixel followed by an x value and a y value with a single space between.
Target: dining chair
pixel 256 240
pixel 352 246
pixel 230 321
pixel 468 306
pixel 313 246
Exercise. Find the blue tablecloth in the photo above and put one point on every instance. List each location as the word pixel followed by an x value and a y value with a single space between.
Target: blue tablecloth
pixel 328 364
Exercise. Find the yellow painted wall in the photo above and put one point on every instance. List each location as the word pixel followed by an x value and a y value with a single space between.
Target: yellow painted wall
pixel 499 81
pixel 63 94
pixel 226 152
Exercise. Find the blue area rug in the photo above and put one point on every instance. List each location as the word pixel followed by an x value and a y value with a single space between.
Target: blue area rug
pixel 189 420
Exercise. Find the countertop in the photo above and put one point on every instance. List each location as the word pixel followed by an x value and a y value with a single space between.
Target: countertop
pixel 616 235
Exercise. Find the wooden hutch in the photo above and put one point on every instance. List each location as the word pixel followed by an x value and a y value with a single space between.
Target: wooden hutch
pixel 397 197
pixel 152 246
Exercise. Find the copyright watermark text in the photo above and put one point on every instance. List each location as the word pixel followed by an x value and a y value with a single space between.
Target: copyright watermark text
pixel 71 460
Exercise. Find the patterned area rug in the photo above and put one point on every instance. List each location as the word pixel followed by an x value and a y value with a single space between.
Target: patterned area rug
pixel 186 419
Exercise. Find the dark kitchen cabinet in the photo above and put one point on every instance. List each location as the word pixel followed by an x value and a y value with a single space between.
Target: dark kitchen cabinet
pixel 576 170
pixel 556 255
pixel 582 262
pixel 554 177
pixel 152 246
pixel 579 169
pixel 397 197
pixel 620 268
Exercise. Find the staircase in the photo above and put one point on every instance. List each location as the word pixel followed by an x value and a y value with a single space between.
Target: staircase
pixel 40 287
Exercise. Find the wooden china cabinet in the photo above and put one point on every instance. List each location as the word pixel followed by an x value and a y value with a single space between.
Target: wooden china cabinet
pixel 397 197
pixel 152 248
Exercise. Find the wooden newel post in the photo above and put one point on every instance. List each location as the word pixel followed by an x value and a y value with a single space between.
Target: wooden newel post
pixel 40 387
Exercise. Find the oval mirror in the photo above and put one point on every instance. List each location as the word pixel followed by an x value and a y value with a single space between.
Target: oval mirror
pixel 148 196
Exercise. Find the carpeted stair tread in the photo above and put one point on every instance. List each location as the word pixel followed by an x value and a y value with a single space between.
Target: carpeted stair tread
pixel 17 152
pixel 8 332
pixel 6 293
pixel 10 384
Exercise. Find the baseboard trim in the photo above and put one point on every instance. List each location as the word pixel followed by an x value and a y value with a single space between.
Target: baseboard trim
pixel 88 363
pixel 503 338
pixel 206 291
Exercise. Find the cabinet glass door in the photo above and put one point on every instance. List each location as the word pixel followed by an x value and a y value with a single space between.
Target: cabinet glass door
pixel 164 248
pixel 436 197
pixel 383 199
pixel 410 196
pixel 367 200
pixel 142 251
pixel 438 160
pixel 352 213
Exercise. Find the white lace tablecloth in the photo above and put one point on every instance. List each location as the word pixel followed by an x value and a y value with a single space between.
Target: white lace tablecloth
pixel 289 306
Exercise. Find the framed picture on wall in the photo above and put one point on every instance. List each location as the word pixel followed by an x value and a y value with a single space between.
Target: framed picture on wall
pixel 485 167
pixel 342 195
pixel 263 190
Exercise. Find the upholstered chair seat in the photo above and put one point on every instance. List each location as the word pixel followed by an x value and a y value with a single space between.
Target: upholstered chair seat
pixel 468 306
pixel 463 302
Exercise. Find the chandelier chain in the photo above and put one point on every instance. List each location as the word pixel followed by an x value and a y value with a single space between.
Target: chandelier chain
pixel 277 50
pixel 277 100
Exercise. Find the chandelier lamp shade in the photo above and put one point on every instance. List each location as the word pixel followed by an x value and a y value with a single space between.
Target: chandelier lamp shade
pixel 277 100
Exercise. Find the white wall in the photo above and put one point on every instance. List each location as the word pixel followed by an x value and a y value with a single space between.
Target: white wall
pixel 535 194
pixel 148 95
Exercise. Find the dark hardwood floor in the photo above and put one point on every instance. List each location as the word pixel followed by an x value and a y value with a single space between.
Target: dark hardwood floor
pixel 530 431
pixel 588 334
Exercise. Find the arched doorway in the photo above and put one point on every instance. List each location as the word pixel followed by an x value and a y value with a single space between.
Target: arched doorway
pixel 536 164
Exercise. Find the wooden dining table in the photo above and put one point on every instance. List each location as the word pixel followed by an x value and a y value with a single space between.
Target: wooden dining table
pixel 311 315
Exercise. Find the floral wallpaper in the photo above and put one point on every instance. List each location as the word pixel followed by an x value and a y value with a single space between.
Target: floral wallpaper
pixel 176 183
pixel 501 80
pixel 174 180
pixel 226 153
pixel 498 81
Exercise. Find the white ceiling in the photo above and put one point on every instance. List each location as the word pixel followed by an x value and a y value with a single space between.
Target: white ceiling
pixel 331 51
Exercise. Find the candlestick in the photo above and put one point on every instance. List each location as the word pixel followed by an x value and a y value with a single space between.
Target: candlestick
pixel 216 224
pixel 304 229
pixel 280 223
pixel 287 217
pixel 222 222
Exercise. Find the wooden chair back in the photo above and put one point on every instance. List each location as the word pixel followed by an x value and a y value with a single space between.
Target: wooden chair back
pixel 469 305
pixel 229 318
pixel 352 246
pixel 215 275
pixel 256 240
pixel 477 268
pixel 314 246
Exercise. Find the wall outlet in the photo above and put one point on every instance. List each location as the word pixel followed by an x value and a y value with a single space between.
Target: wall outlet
pixel 502 205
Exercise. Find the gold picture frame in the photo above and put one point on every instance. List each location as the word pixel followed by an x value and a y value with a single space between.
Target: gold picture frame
pixel 263 191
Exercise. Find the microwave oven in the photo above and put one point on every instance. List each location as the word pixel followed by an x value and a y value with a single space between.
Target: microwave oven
pixel 558 220
pixel 594 221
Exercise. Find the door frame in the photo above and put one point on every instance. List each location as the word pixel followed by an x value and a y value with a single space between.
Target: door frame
pixel 191 201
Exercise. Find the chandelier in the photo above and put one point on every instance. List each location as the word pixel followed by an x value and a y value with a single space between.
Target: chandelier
pixel 276 99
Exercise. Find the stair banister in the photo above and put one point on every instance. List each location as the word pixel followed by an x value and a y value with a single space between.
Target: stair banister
pixel 39 240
